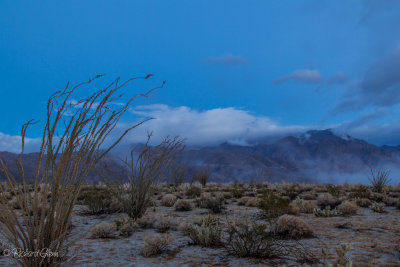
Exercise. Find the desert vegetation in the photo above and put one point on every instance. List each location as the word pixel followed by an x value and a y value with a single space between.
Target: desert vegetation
pixel 273 224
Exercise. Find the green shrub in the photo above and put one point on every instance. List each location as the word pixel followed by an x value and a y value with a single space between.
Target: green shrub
pixel 214 204
pixel 237 192
pixel 250 239
pixel 335 190
pixel 273 206
pixel 97 200
pixel 292 192
pixel 193 192
pixel 361 191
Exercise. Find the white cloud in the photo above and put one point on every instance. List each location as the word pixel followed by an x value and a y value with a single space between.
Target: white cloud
pixel 212 126
pixel 215 126
pixel 304 76
pixel 12 143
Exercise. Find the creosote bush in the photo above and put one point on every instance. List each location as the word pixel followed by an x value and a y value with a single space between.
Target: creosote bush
pixel 97 199
pixel 73 133
pixel 273 206
pixel 250 239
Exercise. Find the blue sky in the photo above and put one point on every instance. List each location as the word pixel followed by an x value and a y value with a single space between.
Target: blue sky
pixel 234 69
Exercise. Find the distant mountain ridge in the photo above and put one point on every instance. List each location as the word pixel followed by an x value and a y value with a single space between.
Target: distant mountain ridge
pixel 316 155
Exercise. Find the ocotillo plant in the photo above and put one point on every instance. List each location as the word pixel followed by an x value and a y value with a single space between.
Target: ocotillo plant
pixel 73 142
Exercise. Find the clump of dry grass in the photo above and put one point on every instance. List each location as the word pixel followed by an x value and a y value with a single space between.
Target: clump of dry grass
pixel 103 230
pixel 293 227
pixel 183 205
pixel 348 208
pixel 156 244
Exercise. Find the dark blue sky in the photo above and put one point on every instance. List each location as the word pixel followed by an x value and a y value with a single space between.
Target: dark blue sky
pixel 234 69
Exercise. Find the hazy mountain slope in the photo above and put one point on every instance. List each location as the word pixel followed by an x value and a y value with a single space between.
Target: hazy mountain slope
pixel 314 155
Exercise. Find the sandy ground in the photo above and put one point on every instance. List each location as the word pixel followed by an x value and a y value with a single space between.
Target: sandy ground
pixel 370 235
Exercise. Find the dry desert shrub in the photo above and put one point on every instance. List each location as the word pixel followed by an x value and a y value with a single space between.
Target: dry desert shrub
pixel 146 221
pixel 377 207
pixel 164 223
pixel 390 201
pixel 208 234
pixel 126 226
pixel 193 191
pixel 242 201
pixel 143 176
pixel 252 202
pixel 97 200
pixel 272 205
pixel 169 200
pixel 103 230
pixel 293 209
pixel 379 179
pixel 363 202
pixel 183 205
pixel 308 196
pixel 250 239
pixel 327 199
pixel 308 206
pixel 348 208
pixel 292 227
pixel 178 173
pixel 202 175
pixel 213 203
pixel 156 244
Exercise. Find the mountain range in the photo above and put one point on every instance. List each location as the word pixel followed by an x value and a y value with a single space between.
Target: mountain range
pixel 313 156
